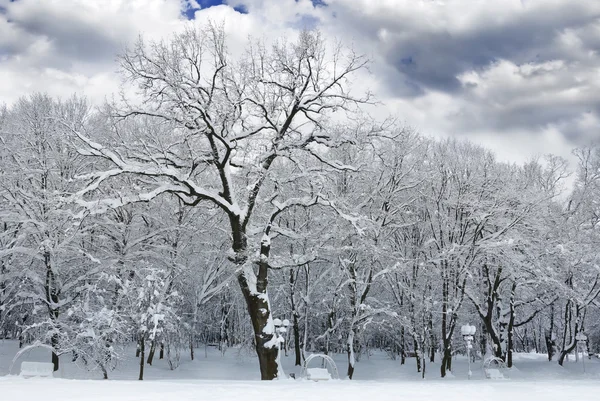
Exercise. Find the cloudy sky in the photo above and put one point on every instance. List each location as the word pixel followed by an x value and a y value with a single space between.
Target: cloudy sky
pixel 519 76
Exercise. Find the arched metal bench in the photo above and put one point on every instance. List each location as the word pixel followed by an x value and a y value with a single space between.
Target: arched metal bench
pixel 320 374
pixel 494 368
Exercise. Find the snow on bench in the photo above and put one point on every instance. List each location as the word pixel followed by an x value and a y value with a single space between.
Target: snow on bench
pixel 32 369
pixel 493 374
pixel 317 374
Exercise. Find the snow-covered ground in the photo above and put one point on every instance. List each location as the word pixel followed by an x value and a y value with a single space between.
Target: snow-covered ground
pixel 235 376
pixel 16 389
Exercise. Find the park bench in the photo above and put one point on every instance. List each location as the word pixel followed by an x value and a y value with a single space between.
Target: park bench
pixel 493 374
pixel 317 374
pixel 36 369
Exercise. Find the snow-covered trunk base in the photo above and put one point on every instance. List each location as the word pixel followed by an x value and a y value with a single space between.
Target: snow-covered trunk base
pixel 260 315
pixel 55 360
pixel 254 289
pixel 351 356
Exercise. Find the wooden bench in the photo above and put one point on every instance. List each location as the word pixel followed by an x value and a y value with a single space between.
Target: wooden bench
pixel 37 369
pixel 317 374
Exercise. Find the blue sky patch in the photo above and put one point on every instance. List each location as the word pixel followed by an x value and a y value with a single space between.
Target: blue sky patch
pixel 189 11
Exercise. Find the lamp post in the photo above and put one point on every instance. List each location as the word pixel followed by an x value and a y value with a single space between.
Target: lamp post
pixel 581 340
pixel 468 332
pixel 280 330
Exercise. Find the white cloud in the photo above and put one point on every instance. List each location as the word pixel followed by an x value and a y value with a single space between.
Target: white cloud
pixel 520 76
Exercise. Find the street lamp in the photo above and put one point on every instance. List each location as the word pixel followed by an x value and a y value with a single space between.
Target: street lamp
pixel 468 332
pixel 581 340
pixel 280 330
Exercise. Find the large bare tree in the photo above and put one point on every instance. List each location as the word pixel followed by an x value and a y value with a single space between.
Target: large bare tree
pixel 224 127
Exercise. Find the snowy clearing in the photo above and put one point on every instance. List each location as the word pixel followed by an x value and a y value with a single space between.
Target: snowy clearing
pixel 235 375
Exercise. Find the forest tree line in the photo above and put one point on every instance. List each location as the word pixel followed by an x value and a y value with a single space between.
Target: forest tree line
pixel 223 192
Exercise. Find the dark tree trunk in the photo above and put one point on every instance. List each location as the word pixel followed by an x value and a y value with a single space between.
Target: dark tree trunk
pixel 431 342
pixel 151 352
pixel 296 325
pixel 446 364
pixel 511 324
pixel 570 346
pixel 350 372
pixel 417 352
pixel 259 312
pixel 297 349
pixel 192 347
pixel 483 339
pixel 446 360
pixel 257 302
pixel 142 349
pixel 52 297
pixel 424 359
pixel 550 337
pixel 402 347
pixel 55 361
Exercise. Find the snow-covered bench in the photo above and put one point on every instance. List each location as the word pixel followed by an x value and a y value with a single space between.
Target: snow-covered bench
pixel 36 369
pixel 493 374
pixel 317 374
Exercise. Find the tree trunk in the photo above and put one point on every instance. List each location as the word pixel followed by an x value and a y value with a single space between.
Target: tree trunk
pixel 402 347
pixel 54 342
pixel 550 337
pixel 254 289
pixel 568 347
pixel 297 349
pixel 142 349
pixel 511 323
pixel 351 356
pixel 151 353
pixel 306 306
pixel 52 299
pixel 260 315
pixel 192 347
pixel 431 342
pixel 418 352
pixel 446 340
pixel 296 326
pixel 223 326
